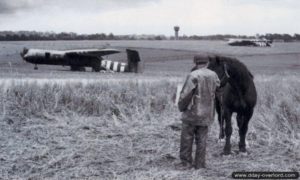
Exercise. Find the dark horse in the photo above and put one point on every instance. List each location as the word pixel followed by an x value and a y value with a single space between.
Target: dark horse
pixel 237 94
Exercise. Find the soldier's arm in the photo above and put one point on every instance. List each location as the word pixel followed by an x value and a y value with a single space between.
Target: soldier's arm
pixel 218 85
pixel 218 91
pixel 186 94
pixel 217 80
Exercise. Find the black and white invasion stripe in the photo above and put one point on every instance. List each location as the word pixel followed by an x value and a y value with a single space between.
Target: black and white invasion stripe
pixel 114 66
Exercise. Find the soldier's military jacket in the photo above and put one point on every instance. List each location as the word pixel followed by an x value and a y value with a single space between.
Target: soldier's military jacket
pixel 196 101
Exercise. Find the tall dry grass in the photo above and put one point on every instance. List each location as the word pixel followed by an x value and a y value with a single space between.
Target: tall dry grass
pixel 130 129
pixel 122 99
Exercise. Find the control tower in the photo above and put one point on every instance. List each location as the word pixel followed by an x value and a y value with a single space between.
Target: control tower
pixel 176 29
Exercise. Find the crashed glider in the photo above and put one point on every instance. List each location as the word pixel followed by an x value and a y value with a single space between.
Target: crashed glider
pixel 81 58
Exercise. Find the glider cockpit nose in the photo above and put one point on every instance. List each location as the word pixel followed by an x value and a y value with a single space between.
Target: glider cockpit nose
pixel 23 53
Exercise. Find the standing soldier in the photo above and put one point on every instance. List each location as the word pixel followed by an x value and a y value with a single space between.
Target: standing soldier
pixel 196 103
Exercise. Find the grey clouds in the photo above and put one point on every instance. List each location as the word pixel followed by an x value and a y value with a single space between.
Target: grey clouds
pixel 201 17
pixel 12 6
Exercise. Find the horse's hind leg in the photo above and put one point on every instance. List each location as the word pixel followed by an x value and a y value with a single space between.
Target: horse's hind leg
pixel 228 131
pixel 240 120
pixel 243 128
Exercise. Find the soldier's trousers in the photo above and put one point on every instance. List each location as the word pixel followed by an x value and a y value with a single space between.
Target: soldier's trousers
pixel 190 132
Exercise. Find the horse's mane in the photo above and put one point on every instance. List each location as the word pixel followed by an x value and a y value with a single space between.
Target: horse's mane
pixel 237 71
pixel 237 66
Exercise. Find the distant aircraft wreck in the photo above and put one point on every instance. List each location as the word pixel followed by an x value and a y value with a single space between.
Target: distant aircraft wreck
pixel 250 42
pixel 79 59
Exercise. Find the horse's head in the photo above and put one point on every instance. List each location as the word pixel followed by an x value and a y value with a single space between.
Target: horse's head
pixel 218 66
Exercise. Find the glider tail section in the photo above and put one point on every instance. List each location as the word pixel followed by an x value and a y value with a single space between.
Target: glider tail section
pixel 132 65
pixel 134 59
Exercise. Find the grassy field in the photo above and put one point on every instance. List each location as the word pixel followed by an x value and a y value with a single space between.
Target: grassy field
pixel 130 130
pixel 57 124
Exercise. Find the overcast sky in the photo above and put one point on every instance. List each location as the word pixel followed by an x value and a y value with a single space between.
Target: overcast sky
pixel 200 17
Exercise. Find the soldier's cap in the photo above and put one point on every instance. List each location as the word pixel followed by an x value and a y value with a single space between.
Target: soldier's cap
pixel 201 59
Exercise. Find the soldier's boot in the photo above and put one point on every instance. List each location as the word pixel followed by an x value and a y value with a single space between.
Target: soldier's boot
pixel 183 166
pixel 186 144
pixel 201 138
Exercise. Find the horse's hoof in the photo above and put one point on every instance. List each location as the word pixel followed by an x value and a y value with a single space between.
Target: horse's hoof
pixel 227 149
pixel 243 149
pixel 226 153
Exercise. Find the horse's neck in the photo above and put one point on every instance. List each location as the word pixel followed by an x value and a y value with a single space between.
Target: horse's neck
pixel 238 78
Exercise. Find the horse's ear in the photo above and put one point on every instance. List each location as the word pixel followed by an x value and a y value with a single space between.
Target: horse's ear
pixel 210 58
pixel 218 59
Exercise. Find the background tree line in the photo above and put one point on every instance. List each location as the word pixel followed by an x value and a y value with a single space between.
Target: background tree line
pixel 37 36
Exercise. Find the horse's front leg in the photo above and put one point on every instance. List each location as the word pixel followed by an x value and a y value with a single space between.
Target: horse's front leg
pixel 228 131
pixel 220 119
pixel 221 123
